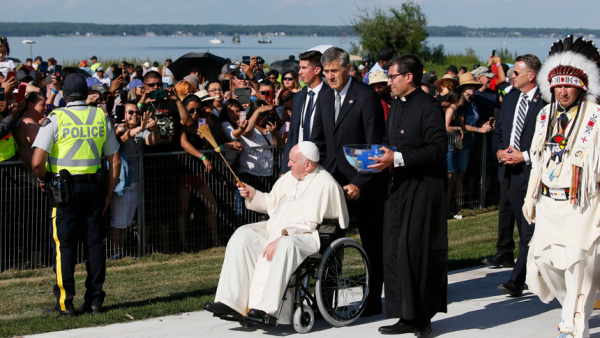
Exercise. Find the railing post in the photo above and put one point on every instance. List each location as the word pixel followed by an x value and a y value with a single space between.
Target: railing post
pixel 483 170
pixel 141 214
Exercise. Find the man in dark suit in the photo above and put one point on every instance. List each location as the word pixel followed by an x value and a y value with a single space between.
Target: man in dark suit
pixel 351 113
pixel 305 102
pixel 511 142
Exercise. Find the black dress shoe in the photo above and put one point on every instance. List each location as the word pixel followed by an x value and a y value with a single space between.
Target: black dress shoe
pixel 87 308
pixel 219 308
pixel 69 312
pixel 255 313
pixel 500 261
pixel 398 328
pixel 423 331
pixel 511 288
pixel 264 317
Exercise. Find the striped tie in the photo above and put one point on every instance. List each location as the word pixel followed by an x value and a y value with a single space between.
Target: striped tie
pixel 520 121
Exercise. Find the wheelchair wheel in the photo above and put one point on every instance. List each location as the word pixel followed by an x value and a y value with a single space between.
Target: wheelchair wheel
pixel 304 319
pixel 342 286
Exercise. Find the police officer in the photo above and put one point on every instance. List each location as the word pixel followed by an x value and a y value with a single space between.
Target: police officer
pixel 67 149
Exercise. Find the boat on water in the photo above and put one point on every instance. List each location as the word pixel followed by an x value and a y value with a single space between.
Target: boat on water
pixel 216 41
pixel 236 39
pixel 264 40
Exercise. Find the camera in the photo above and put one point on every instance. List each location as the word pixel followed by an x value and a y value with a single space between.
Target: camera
pixel 260 60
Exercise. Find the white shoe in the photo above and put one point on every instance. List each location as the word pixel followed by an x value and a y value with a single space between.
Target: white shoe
pixel 565 335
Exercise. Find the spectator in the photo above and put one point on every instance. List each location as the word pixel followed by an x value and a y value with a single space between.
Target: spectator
pixel 37 61
pixel 36 237
pixel 290 81
pixel 154 66
pixel 29 62
pixel 145 67
pixel 444 86
pixel 379 81
pixel 6 65
pixel 184 89
pixel 468 116
pixel 132 133
pixel 274 77
pixel 84 66
pixel 485 98
pixel 197 73
pixel 355 73
pixel 161 184
pixel 100 76
pixel 95 63
pixel 454 99
pixel 260 131
pixel 167 76
pixel 462 70
pixel 191 79
pixel 286 117
pixel 383 57
pixel 136 90
pixel 139 72
pixel 452 70
pixel 233 124
pixel 215 89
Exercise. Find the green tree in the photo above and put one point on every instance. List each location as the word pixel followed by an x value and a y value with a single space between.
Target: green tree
pixel 402 30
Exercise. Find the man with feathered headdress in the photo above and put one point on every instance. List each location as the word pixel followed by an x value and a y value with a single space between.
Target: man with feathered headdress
pixel 563 191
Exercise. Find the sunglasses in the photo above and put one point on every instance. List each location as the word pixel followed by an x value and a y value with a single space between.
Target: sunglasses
pixel 132 112
pixel 288 79
pixel 517 73
pixel 264 92
pixel 156 84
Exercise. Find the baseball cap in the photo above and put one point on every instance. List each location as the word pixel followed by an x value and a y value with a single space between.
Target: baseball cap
pixel 135 83
pixel 230 68
pixel 75 85
pixel 98 87
pixel 90 81
pixel 452 68
pixel 99 69
pixel 147 64
pixel 241 75
pixel 94 58
pixel 483 71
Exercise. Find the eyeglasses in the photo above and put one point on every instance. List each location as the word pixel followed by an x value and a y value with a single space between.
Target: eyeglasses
pixel 215 90
pixel 517 73
pixel 192 110
pixel 264 92
pixel 288 79
pixel 155 84
pixel 394 76
pixel 136 112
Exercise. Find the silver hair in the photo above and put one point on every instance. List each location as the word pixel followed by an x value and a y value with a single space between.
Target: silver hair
pixel 335 53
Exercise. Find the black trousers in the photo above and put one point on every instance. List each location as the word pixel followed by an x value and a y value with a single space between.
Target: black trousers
pixel 80 219
pixel 511 210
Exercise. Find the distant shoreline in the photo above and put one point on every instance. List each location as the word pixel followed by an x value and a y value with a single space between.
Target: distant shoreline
pixel 59 29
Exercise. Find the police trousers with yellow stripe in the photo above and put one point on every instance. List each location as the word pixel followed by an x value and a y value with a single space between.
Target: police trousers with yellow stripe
pixel 80 219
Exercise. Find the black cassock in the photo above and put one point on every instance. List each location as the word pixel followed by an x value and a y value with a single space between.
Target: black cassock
pixel 415 227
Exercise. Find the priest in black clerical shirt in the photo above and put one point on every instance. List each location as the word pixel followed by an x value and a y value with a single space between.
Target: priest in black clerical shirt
pixel 415 228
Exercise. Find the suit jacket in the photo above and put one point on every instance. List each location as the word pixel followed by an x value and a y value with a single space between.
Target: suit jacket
pixel 504 126
pixel 360 121
pixel 294 132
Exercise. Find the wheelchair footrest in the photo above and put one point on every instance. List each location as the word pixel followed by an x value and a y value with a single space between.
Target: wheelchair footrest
pixel 266 320
pixel 231 317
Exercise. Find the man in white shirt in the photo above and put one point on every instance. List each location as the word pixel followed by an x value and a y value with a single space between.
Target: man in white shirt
pixel 100 76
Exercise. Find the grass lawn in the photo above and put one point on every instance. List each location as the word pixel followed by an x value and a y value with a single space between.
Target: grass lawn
pixel 160 285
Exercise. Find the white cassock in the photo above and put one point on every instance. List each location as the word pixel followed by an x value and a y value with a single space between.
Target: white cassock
pixel 248 280
pixel 564 259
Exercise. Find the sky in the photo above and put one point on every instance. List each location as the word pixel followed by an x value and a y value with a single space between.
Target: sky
pixel 469 13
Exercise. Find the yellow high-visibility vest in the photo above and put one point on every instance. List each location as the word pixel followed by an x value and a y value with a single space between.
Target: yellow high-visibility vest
pixel 8 146
pixel 81 135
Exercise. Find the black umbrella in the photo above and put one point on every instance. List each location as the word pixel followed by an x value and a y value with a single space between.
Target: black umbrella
pixel 15 60
pixel 284 65
pixel 210 65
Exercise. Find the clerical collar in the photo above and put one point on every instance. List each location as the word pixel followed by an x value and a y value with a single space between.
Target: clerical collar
pixel 308 178
pixel 406 99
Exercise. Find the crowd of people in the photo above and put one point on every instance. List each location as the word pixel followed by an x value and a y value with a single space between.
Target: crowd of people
pixel 251 111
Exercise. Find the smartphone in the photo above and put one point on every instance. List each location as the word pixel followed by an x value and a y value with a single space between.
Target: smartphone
pixel 493 53
pixel 43 67
pixel 21 93
pixel 1 94
pixel 243 95
pixel 246 60
pixel 492 120
pixel 225 86
pixel 271 117
pixel 120 113
pixel 242 116
pixel 159 94
pixel 58 72
pixel 201 122
pixel 269 97
pixel 118 72
pixel 11 75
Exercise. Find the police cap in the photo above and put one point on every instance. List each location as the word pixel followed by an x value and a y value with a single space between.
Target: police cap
pixel 75 86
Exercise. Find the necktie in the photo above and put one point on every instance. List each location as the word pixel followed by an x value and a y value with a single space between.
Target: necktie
pixel 338 103
pixel 307 116
pixel 523 104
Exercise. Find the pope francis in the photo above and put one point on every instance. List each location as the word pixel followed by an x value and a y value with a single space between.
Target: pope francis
pixel 261 257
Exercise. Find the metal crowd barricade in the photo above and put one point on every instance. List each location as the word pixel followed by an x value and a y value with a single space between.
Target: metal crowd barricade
pixel 180 207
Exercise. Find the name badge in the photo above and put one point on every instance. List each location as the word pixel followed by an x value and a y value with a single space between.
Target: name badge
pixel 558 194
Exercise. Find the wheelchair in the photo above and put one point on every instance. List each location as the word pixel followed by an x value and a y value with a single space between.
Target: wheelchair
pixel 341 271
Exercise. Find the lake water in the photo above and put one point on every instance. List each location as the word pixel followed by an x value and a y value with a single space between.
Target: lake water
pixel 160 48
